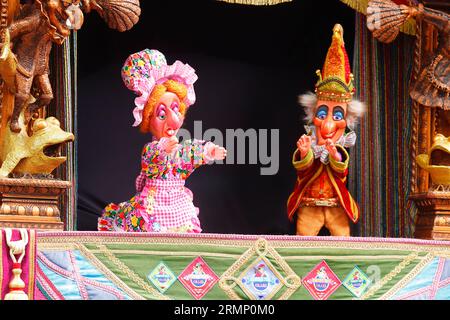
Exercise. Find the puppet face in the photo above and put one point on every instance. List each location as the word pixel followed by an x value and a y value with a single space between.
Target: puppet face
pixel 329 120
pixel 166 119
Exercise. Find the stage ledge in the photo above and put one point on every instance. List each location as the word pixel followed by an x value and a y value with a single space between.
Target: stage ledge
pixel 94 265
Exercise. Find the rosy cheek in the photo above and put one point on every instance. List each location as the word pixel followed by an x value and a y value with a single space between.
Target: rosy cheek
pixel 341 124
pixel 157 124
pixel 317 122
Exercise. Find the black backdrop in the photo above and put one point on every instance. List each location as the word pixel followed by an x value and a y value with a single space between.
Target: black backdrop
pixel 252 63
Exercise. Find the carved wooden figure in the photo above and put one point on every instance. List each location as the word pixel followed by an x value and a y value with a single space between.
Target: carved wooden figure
pixel 40 23
pixel 30 144
pixel 28 32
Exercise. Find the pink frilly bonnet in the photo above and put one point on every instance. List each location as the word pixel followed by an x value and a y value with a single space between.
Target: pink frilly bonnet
pixel 143 70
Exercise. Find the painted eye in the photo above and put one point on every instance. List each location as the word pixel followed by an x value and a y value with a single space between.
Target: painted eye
pixel 321 115
pixel 338 116
pixel 338 113
pixel 175 107
pixel 322 112
pixel 161 113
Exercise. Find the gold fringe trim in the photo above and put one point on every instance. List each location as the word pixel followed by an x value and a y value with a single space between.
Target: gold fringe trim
pixel 409 27
pixel 257 2
pixel 57 246
pixel 358 5
pixel 361 6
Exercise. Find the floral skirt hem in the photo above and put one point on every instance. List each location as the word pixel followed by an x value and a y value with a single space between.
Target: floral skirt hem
pixel 115 219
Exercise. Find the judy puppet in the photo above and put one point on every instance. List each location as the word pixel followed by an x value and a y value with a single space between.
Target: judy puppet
pixel 320 197
pixel 162 203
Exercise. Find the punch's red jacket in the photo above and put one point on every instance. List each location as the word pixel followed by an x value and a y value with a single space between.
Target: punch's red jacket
pixel 309 169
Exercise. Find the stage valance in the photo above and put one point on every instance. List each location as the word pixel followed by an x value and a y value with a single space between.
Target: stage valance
pixel 88 265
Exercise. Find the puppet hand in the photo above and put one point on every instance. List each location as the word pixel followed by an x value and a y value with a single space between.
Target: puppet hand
pixel 169 145
pixel 218 153
pixel 303 145
pixel 332 150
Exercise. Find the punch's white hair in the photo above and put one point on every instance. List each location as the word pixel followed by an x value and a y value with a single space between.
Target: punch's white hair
pixel 309 101
pixel 355 109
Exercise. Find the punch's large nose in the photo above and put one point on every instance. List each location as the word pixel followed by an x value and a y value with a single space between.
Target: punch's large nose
pixel 328 126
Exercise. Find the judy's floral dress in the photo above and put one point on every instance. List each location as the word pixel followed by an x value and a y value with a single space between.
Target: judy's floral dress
pixel 162 202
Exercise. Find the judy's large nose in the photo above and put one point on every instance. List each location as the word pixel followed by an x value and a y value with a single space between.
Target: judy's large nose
pixel 174 120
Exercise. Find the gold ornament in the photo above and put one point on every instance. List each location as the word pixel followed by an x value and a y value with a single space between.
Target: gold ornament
pixel 437 162
pixel 35 154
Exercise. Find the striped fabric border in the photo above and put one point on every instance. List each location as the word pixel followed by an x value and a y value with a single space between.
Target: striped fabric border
pixel 32 247
pixel 380 168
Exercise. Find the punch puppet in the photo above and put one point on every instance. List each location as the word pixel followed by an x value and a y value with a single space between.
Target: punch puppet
pixel 320 198
pixel 162 203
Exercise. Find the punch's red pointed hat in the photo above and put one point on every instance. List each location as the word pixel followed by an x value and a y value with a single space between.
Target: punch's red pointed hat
pixel 335 80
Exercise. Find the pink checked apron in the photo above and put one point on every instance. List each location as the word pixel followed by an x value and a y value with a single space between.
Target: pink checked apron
pixel 169 206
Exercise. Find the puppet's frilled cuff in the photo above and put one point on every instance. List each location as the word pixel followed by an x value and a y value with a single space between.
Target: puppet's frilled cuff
pixel 302 164
pixel 208 151
pixel 340 166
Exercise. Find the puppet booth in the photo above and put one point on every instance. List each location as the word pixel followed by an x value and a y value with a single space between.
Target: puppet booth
pixel 224 149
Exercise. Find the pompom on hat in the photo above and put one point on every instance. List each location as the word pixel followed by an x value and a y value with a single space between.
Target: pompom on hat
pixel 143 70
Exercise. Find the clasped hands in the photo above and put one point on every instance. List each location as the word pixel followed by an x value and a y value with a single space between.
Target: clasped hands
pixel 304 145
